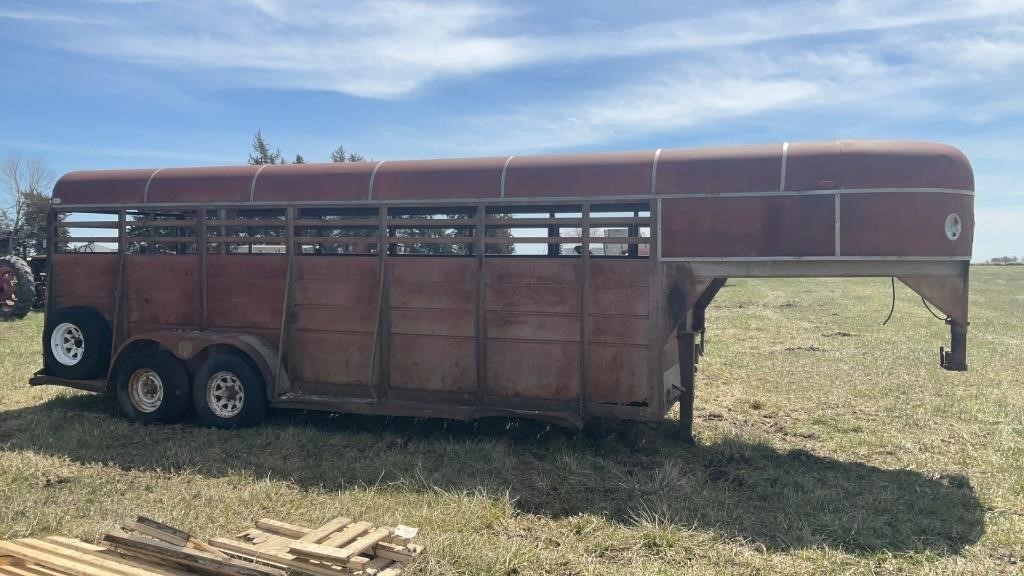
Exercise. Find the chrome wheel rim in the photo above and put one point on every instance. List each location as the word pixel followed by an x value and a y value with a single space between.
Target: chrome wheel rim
pixel 146 390
pixel 67 344
pixel 225 394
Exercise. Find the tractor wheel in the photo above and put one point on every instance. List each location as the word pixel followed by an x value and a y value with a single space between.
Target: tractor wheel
pixel 17 288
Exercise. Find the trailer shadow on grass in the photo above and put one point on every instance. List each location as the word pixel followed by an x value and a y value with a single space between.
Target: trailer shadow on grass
pixel 783 500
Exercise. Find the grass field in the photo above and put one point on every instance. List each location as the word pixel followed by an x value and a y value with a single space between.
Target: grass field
pixel 827 444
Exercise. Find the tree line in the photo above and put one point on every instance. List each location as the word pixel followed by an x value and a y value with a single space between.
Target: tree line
pixel 262 154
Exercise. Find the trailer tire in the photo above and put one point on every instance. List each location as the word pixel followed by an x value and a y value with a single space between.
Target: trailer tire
pixel 17 288
pixel 152 387
pixel 76 343
pixel 229 392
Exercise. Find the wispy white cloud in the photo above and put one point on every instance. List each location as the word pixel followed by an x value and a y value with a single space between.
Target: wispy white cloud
pixel 32 15
pixel 841 82
pixel 390 48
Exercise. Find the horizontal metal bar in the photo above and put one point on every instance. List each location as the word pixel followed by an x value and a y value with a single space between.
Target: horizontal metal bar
pixel 534 240
pixel 823 268
pixel 567 240
pixel 163 239
pixel 340 223
pixel 602 221
pixel 430 226
pixel 268 223
pixel 161 223
pixel 89 239
pixel 448 223
pixel 533 222
pixel 245 240
pixel 615 240
pixel 430 240
pixel 807 258
pixel 335 239
pixel 820 192
pixel 528 201
pixel 88 224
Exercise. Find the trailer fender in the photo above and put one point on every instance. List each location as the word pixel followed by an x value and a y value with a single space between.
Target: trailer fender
pixel 192 346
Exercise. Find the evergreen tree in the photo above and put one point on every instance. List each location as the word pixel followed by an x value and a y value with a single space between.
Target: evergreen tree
pixel 339 155
pixel 299 159
pixel 261 153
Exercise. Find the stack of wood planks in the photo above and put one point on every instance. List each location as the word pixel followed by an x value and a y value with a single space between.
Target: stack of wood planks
pixel 145 547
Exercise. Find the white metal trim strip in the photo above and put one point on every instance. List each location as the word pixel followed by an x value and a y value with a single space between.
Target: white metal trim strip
pixel 531 199
pixel 838 251
pixel 654 171
pixel 145 191
pixel 822 192
pixel 782 176
pixel 252 186
pixel 808 258
pixel 658 224
pixel 373 176
pixel 504 170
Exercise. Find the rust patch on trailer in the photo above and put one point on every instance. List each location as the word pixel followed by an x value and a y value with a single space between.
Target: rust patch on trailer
pixel 905 224
pixel 86 280
pixel 749 226
pixel 150 303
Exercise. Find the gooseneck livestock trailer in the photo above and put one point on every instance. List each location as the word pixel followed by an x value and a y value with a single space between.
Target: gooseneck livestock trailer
pixel 553 287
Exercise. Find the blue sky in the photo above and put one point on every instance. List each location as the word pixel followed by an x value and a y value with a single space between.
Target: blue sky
pixel 127 83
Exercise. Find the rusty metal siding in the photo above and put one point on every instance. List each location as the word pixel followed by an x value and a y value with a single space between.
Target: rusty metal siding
pixel 862 165
pixel 737 169
pixel 904 224
pixel 438 179
pixel 538 355
pixel 245 292
pixel 150 302
pixel 590 175
pixel 753 169
pixel 432 339
pixel 86 280
pixel 325 360
pixel 103 187
pixel 904 165
pixel 763 226
pixel 618 357
pixel 206 185
pixel 337 181
pixel 813 166
pixel 335 308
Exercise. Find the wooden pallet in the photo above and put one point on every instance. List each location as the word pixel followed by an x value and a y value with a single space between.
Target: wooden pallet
pixel 340 547
pixel 147 548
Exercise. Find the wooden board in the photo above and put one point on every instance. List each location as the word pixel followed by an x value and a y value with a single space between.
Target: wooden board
pixel 204 561
pixel 323 532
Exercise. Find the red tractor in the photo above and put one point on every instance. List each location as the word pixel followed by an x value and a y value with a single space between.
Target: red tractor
pixel 22 285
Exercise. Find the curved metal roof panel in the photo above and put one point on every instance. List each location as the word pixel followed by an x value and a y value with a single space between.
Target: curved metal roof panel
pixel 726 170
pixel 191 185
pixel 467 178
pixel 332 182
pixel 580 175
pixel 103 186
pixel 775 168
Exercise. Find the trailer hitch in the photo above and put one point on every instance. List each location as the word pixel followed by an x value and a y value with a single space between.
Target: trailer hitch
pixel 954 359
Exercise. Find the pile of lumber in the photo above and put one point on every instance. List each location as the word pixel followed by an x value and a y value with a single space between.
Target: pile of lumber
pixel 145 547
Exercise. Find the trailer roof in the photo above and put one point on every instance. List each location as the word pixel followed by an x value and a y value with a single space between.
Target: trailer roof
pixel 750 170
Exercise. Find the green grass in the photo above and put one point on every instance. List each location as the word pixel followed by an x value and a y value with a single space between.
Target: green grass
pixel 827 444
